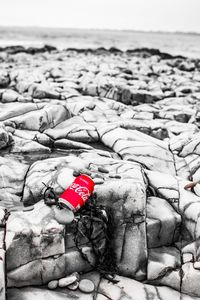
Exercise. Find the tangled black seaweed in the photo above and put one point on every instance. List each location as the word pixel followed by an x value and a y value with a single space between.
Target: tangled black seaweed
pixel 49 195
pixel 95 224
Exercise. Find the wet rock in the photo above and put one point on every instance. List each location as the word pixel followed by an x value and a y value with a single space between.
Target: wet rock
pixel 164 186
pixel 164 265
pixel 140 96
pixel 56 172
pixel 41 91
pixel 135 146
pixel 126 287
pixel 41 119
pixel 75 129
pixel 33 235
pixel 190 279
pixel 10 110
pixel 132 289
pixel 128 260
pixel 21 145
pixel 131 121
pixel 41 271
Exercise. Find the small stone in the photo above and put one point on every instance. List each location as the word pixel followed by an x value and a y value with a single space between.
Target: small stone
pixel 63 282
pixel 86 286
pixel 28 208
pixel 98 180
pixel 76 173
pixel 96 175
pixel 102 170
pixel 85 171
pixel 52 285
pixel 63 216
pixel 115 176
pixel 73 286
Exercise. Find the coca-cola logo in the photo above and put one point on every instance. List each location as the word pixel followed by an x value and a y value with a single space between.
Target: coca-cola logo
pixel 82 191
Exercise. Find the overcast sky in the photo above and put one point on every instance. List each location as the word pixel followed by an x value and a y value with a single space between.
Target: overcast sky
pixel 172 15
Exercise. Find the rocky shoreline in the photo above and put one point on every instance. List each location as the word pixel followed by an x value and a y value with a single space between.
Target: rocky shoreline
pixel 134 114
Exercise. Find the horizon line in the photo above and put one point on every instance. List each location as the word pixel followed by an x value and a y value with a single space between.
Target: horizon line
pixel 99 29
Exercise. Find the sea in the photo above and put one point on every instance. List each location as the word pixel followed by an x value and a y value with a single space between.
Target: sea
pixel 176 43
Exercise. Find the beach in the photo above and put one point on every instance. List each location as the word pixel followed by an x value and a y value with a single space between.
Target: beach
pixel 128 116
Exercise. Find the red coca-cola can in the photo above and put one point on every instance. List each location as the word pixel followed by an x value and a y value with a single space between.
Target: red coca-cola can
pixel 75 196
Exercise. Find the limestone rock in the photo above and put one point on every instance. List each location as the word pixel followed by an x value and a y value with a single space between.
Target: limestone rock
pixel 163 223
pixel 33 235
pixel 11 96
pixel 136 146
pixel 164 266
pixel 10 170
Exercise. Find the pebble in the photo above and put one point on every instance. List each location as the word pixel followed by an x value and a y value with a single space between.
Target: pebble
pixel 98 180
pixel 73 286
pixel 102 170
pixel 76 173
pixel 53 284
pixel 85 171
pixel 115 176
pixel 95 175
pixel 63 282
pixel 63 216
pixel 28 208
pixel 86 286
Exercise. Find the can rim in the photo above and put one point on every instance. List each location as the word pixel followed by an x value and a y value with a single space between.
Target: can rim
pixel 66 203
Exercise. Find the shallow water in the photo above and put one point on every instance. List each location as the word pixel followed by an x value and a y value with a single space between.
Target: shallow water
pixel 186 44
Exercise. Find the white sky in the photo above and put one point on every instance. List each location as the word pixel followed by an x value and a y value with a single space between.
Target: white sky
pixel 172 15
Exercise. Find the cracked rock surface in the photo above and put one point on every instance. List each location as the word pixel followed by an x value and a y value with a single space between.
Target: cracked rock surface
pixel 131 119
